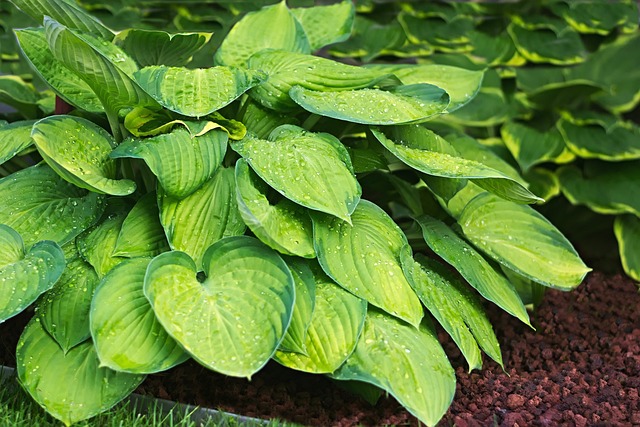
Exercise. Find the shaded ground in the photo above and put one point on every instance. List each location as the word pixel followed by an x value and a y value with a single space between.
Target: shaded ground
pixel 581 368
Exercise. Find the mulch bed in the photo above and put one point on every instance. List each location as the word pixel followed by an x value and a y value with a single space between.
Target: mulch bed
pixel 581 367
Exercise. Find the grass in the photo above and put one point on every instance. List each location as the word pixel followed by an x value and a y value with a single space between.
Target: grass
pixel 17 409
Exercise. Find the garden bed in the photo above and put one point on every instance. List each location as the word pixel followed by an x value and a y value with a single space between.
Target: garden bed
pixel 581 367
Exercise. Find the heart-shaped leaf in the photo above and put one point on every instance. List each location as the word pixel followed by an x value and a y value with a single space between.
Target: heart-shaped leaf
pixel 25 275
pixel 325 25
pixel 472 266
pixel 14 137
pixel 40 205
pixel 78 150
pixel 182 162
pixel 257 31
pixel 63 81
pixel 523 240
pixel 198 92
pixel 335 327
pixel 288 69
pixel 408 363
pixel 70 386
pixel 141 233
pixel 244 304
pixel 549 40
pixel 261 121
pixel 284 226
pixel 456 308
pixel 425 151
pixel 64 310
pixel 207 215
pixel 600 136
pixel 311 169
pixel 127 335
pixel 305 284
pixel 627 231
pixel 594 18
pixel 398 105
pixel 461 85
pixel 153 47
pixel 364 258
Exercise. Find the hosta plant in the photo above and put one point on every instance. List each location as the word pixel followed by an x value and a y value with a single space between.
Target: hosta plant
pixel 275 205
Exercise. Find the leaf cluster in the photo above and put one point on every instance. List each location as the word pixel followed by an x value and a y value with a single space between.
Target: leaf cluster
pixel 275 205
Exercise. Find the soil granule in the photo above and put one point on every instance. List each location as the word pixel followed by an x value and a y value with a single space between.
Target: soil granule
pixel 581 367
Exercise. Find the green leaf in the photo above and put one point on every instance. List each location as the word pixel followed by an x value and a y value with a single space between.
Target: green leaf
pixel 288 69
pixel 605 188
pixel 244 305
pixel 40 205
pixel 311 169
pixel 63 81
pixel 25 275
pixel 398 105
pixel 283 226
pixel 78 150
pixel 325 25
pixel 64 310
pixel 530 146
pixel 71 387
pixel 261 121
pixel 543 182
pixel 335 327
pixel 523 240
pixel 210 213
pixel 114 86
pixel 461 85
pixel 97 244
pixel 456 308
pixel 408 363
pixel 20 95
pixel 471 265
pixel 425 151
pixel 127 335
pixel 627 231
pixel 154 47
pixel 141 233
pixel 364 258
pixel 14 137
pixel 599 136
pixel 370 39
pixel 594 18
pixel 294 339
pixel 488 108
pixel 546 40
pixel 622 82
pixel 67 13
pixel 198 92
pixel 554 87
pixel 271 27
pixel 182 162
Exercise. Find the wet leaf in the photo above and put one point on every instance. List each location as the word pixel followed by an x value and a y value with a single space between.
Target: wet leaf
pixel 364 258
pixel 311 169
pixel 25 274
pixel 244 305
pixel 78 150
pixel 40 205
pixel 141 233
pixel 71 387
pixel 408 363
pixel 126 333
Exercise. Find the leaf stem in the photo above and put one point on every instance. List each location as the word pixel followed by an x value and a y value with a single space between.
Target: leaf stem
pixel 311 121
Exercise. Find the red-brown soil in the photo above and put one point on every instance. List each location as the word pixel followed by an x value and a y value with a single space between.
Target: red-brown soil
pixel 580 368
